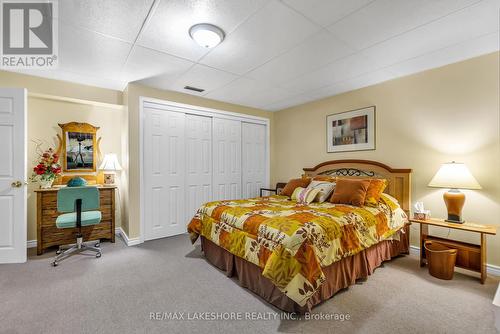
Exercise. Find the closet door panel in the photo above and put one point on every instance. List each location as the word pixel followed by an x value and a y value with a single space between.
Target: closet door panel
pixel 198 162
pixel 164 173
pixel 253 158
pixel 227 159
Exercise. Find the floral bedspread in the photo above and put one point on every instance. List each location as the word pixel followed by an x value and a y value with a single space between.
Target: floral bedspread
pixel 291 242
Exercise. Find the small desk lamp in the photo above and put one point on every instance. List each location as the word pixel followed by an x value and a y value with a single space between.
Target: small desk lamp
pixel 110 165
pixel 455 176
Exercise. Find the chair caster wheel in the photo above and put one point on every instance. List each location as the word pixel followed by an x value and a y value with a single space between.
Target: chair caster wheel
pixel 55 264
pixel 97 244
pixel 58 252
pixel 98 255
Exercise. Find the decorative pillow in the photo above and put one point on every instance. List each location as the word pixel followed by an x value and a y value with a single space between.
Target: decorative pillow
pixel 390 201
pixel 350 191
pixel 376 188
pixel 294 183
pixel 304 195
pixel 325 189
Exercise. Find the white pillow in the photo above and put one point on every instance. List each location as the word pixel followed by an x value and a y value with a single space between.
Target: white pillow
pixel 325 189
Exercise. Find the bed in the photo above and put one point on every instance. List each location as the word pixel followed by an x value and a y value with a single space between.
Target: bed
pixel 296 256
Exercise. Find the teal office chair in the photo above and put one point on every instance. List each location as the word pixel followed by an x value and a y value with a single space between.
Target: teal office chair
pixel 80 205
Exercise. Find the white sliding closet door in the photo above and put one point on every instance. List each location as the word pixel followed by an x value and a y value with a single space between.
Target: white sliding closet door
pixel 198 162
pixel 253 158
pixel 164 170
pixel 227 159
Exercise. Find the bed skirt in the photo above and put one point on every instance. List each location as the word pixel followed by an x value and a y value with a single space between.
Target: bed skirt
pixel 339 275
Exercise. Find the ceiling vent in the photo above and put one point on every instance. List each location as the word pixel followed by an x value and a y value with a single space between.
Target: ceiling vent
pixel 194 89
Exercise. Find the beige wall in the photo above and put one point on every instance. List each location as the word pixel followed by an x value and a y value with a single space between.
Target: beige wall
pixel 43 117
pixel 131 223
pixel 423 120
pixel 58 88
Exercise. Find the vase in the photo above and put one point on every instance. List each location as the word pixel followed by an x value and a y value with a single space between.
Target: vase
pixel 46 184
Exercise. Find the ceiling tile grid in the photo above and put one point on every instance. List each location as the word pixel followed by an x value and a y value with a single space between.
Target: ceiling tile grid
pixel 276 53
pixel 266 34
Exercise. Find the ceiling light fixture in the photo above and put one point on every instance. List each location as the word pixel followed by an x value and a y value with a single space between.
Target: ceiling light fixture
pixel 206 35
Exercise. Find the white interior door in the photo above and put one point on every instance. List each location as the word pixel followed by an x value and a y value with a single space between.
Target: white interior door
pixel 254 167
pixel 164 173
pixel 198 162
pixel 12 175
pixel 227 159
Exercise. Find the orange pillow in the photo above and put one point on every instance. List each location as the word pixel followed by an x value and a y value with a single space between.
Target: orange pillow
pixel 350 191
pixel 326 178
pixel 375 190
pixel 294 183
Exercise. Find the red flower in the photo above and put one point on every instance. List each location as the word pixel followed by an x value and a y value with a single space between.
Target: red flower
pixel 46 155
pixel 40 169
pixel 56 170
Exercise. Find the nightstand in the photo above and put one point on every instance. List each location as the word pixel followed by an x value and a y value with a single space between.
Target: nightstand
pixel 469 256
pixel 277 190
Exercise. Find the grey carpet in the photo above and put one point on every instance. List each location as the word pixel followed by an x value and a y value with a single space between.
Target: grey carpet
pixel 117 293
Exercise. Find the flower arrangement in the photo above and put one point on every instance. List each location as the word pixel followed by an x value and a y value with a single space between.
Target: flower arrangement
pixel 47 168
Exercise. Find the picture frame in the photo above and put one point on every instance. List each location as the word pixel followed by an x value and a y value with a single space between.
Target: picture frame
pixel 352 130
pixel 79 147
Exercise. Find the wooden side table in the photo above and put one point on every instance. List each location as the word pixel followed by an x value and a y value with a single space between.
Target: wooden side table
pixel 49 235
pixel 469 256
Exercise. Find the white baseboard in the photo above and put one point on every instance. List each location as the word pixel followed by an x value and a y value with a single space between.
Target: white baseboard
pixel 118 231
pixel 128 241
pixel 490 268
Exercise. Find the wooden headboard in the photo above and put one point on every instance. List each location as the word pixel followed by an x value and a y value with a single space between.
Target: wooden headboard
pixel 399 178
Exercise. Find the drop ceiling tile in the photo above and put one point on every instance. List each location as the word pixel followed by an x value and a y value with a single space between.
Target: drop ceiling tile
pixel 248 92
pixel 86 52
pixel 118 18
pixel 455 53
pixel 272 30
pixel 145 63
pixel 360 81
pixel 340 70
pixel 204 77
pixel 384 19
pixel 472 22
pixel 168 30
pixel 289 102
pixel 326 12
pixel 315 52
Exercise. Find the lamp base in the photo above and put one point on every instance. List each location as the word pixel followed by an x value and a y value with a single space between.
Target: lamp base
pixel 454 201
pixel 454 221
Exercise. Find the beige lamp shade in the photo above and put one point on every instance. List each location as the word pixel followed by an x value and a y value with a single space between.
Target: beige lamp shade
pixel 454 175
pixel 110 163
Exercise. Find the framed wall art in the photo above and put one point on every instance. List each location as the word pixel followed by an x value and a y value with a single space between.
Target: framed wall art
pixel 79 147
pixel 351 130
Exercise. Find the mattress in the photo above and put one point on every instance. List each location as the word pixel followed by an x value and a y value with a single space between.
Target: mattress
pixel 292 243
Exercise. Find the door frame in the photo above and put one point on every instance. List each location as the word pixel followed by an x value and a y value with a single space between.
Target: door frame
pixel 165 105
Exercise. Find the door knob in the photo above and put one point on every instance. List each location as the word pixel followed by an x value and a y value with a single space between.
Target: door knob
pixel 17 184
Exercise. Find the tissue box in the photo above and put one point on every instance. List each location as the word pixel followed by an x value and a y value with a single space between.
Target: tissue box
pixel 421 215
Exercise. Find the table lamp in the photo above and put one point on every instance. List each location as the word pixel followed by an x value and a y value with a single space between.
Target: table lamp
pixel 454 175
pixel 109 166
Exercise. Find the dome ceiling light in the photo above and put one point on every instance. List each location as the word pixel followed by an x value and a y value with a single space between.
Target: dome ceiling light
pixel 206 35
